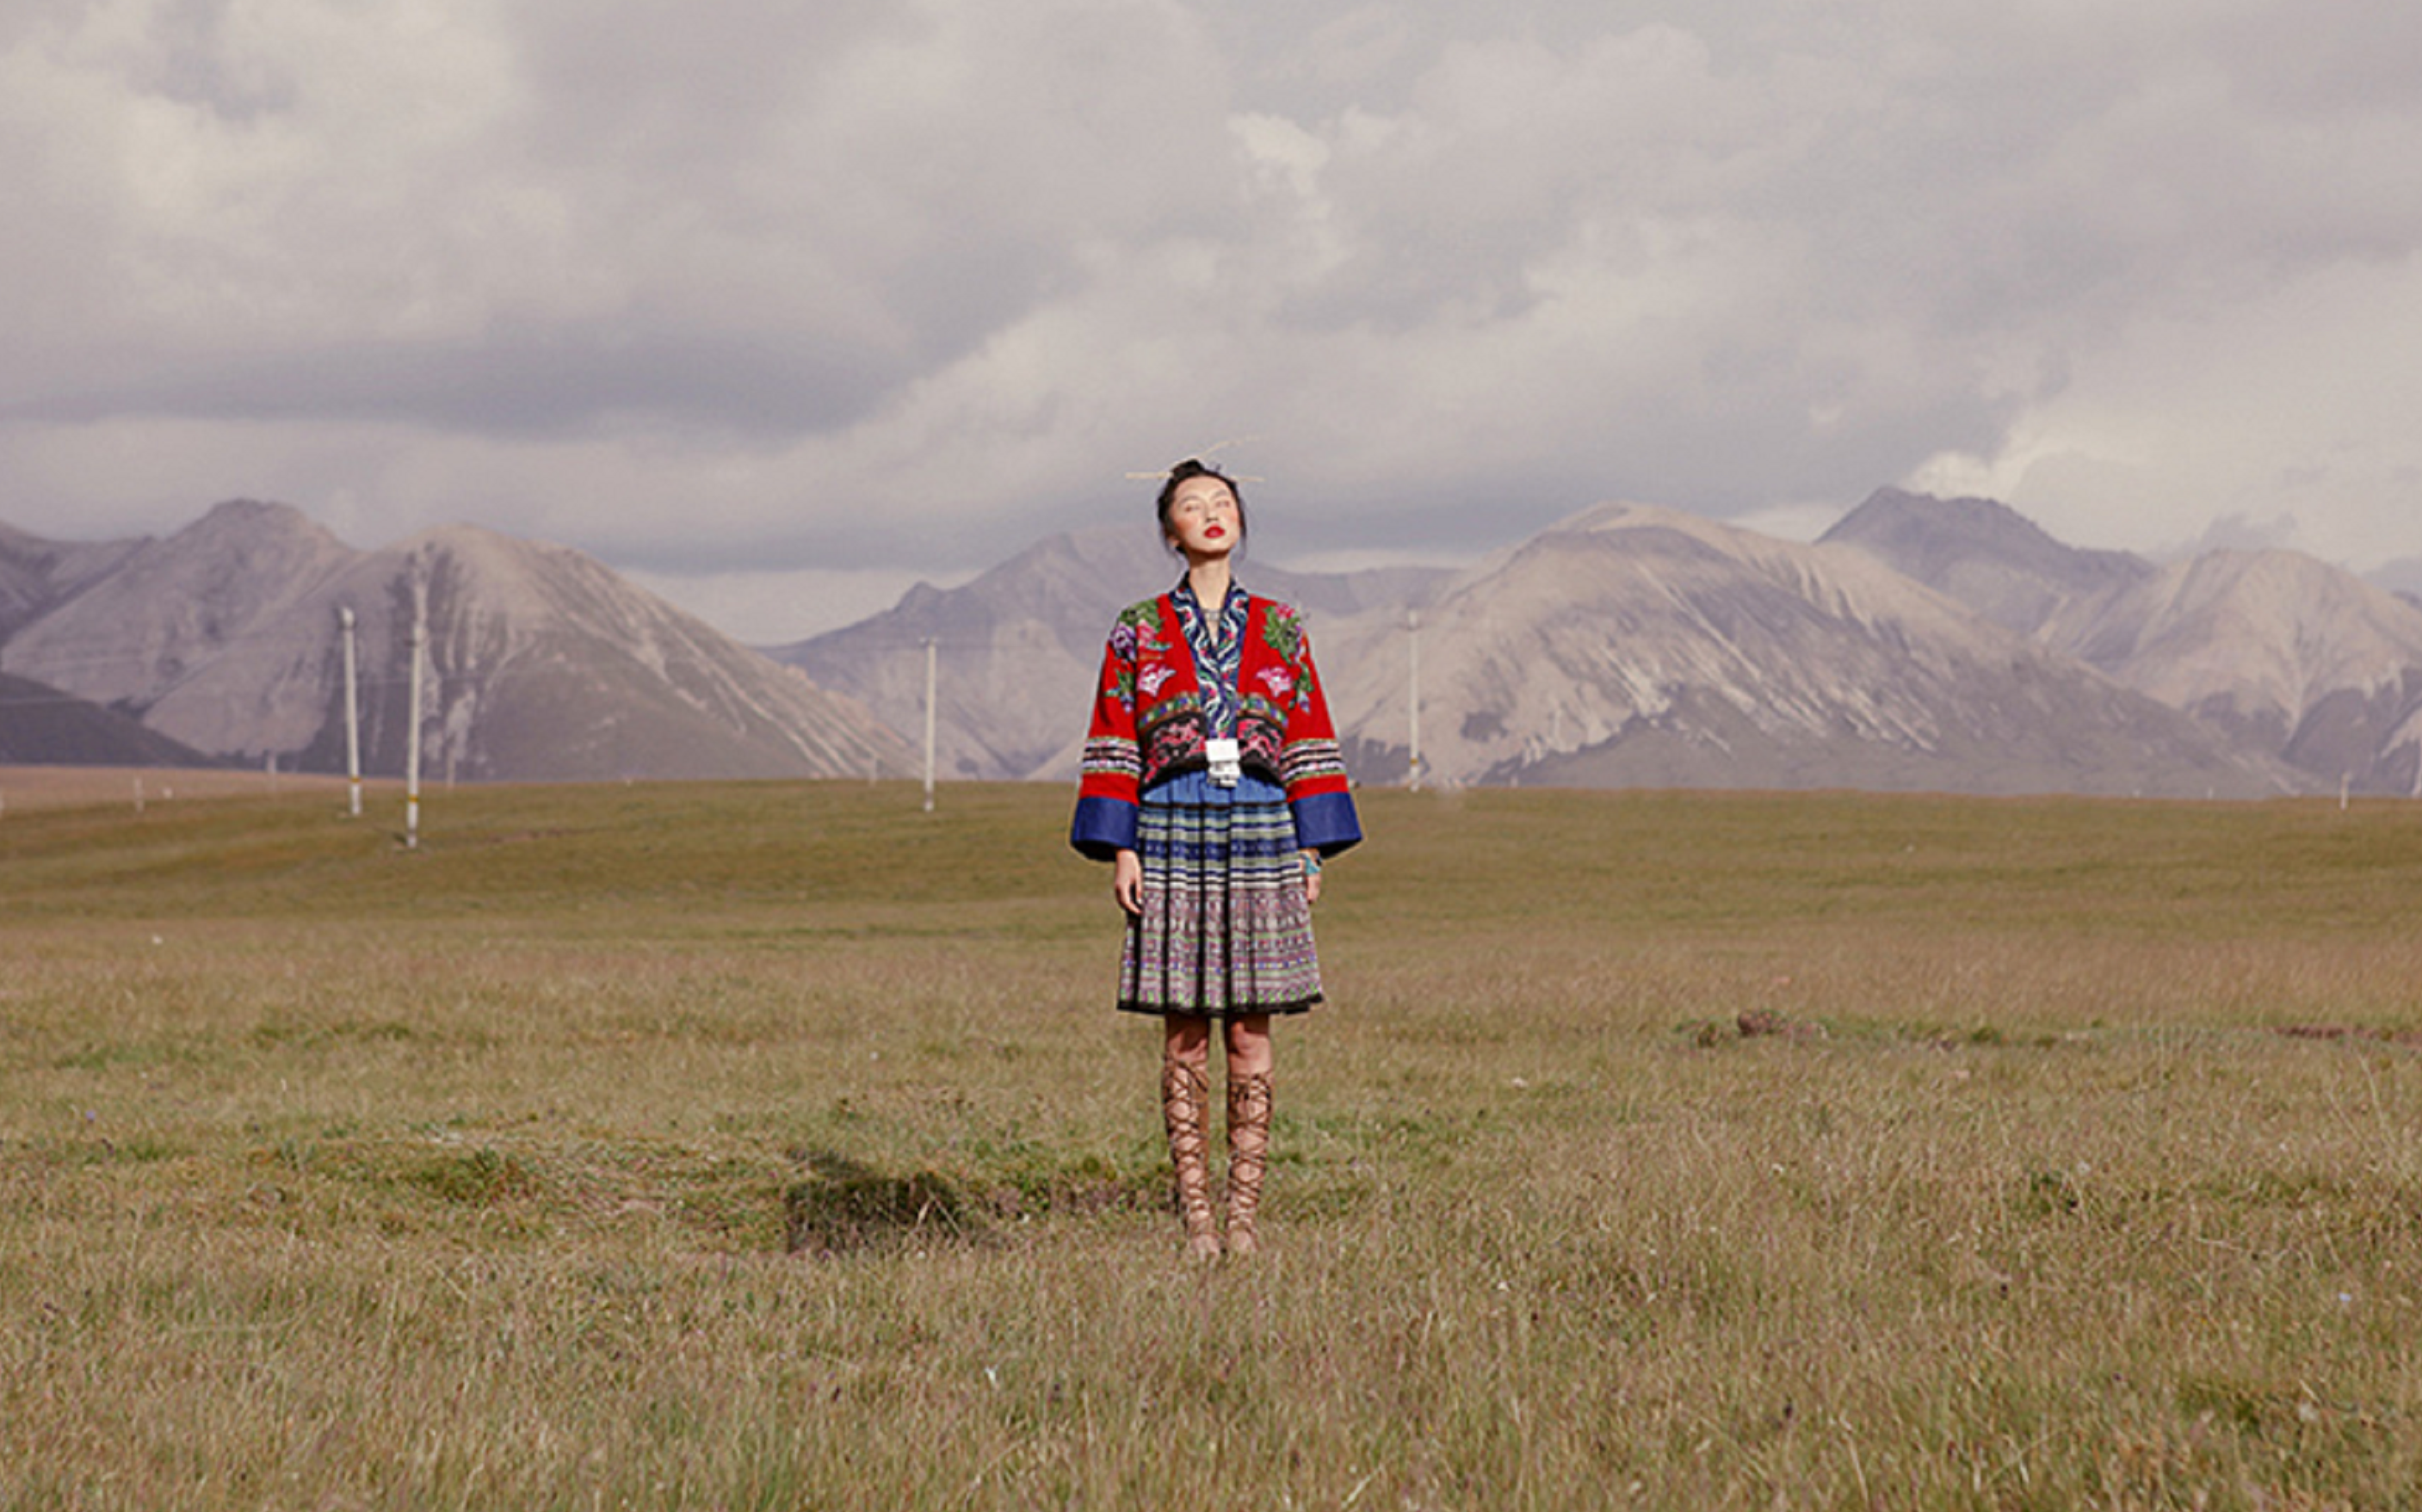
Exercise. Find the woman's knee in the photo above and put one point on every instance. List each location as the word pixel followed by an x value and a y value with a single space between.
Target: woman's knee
pixel 1248 1045
pixel 1188 1040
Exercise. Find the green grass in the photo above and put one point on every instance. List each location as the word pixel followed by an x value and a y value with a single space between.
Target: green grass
pixel 771 1145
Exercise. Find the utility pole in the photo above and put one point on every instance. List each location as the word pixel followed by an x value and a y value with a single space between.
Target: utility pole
pixel 930 663
pixel 1413 700
pixel 411 721
pixel 352 714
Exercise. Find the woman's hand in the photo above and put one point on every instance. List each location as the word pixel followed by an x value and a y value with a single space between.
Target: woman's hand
pixel 1310 878
pixel 1126 881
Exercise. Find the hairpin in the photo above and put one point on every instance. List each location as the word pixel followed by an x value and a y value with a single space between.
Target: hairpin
pixel 1159 473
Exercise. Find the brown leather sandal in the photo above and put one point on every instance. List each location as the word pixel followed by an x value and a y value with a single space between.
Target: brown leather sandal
pixel 1185 1100
pixel 1248 1149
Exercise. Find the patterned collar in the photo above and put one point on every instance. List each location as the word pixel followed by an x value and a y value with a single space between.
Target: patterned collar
pixel 1219 648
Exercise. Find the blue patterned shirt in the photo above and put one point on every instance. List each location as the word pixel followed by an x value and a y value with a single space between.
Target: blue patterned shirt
pixel 1218 647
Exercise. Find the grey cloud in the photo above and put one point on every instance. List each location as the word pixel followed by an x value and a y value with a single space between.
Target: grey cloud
pixel 922 145
pixel 679 84
pixel 1987 176
pixel 537 383
pixel 2366 59
pixel 1641 446
pixel 190 64
pixel 787 211
pixel 1529 255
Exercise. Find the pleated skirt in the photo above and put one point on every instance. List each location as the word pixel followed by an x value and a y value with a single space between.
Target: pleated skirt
pixel 1225 932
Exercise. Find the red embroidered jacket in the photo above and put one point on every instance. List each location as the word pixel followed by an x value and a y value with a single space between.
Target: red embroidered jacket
pixel 1148 726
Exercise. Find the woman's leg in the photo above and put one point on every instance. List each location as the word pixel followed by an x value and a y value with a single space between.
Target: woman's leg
pixel 1249 1127
pixel 1185 1106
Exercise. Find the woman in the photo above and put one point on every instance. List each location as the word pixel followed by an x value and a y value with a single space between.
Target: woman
pixel 1213 786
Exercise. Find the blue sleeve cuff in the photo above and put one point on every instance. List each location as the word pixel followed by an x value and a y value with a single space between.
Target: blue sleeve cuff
pixel 1326 823
pixel 1104 827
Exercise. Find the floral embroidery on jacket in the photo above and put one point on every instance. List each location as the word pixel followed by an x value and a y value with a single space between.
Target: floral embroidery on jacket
pixel 1283 630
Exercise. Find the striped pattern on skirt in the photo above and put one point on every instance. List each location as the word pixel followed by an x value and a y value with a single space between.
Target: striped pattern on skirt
pixel 1225 931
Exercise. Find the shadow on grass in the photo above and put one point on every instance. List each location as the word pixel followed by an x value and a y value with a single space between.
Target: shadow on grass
pixel 844 1205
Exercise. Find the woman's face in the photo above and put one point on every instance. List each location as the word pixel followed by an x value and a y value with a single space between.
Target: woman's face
pixel 1203 520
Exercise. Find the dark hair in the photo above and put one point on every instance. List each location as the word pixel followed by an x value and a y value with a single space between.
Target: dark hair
pixel 1196 468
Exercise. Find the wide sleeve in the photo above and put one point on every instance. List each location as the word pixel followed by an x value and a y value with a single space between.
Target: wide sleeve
pixel 1108 792
pixel 1313 767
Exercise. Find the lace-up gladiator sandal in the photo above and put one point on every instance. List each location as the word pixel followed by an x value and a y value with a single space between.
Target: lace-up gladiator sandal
pixel 1248 1149
pixel 1185 1098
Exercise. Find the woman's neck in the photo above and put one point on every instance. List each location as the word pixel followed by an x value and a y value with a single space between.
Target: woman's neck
pixel 1208 576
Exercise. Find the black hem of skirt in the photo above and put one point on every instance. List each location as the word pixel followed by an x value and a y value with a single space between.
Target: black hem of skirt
pixel 1275 1010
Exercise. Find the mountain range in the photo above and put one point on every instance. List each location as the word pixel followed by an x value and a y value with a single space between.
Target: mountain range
pixel 2287 657
pixel 541 664
pixel 1634 646
pixel 1922 643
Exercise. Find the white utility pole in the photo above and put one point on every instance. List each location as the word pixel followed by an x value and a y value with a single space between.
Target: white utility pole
pixel 411 721
pixel 1413 700
pixel 352 714
pixel 930 661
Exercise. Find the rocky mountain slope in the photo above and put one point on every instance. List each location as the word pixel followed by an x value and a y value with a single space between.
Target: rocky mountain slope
pixel 168 621
pixel 2287 657
pixel 542 664
pixel 1638 646
pixel 1984 555
pixel 40 725
pixel 38 575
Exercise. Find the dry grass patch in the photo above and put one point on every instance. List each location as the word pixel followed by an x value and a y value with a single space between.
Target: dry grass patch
pixel 773 1145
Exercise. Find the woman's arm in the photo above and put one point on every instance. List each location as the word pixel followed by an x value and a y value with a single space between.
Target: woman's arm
pixel 1107 795
pixel 1313 767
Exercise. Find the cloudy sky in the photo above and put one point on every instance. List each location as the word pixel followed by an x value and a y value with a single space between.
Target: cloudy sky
pixel 782 306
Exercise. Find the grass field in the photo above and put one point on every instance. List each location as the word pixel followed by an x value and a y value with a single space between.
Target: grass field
pixel 773 1145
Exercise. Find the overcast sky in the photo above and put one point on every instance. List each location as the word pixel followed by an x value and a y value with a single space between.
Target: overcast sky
pixel 780 306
